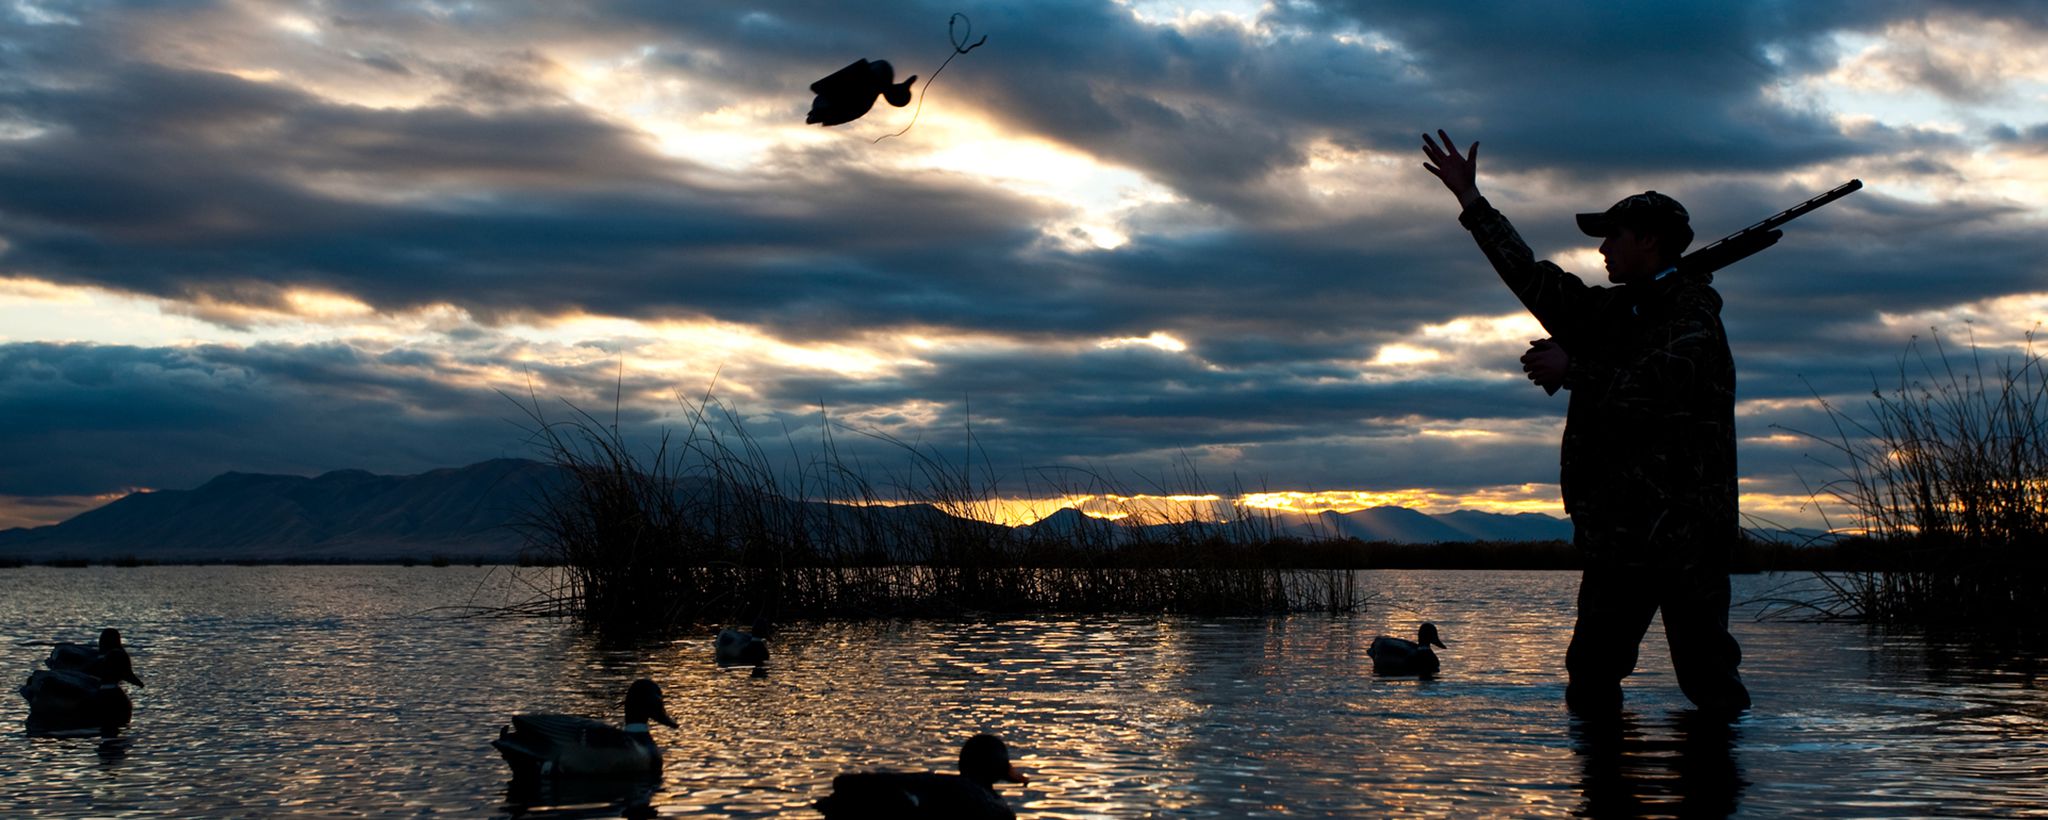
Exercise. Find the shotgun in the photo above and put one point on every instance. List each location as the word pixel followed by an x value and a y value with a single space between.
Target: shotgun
pixel 1745 243
pixel 1741 244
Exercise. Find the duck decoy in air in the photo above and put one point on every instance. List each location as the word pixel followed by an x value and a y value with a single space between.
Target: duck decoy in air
pixel 969 795
pixel 847 94
pixel 735 648
pixel 80 694
pixel 1397 656
pixel 551 746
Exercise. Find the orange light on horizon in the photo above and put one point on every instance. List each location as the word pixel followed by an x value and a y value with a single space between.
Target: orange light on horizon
pixel 1761 509
pixel 1213 507
pixel 1507 500
pixel 43 511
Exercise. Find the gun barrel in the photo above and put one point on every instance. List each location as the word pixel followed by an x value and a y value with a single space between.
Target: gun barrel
pixel 1776 220
pixel 1803 208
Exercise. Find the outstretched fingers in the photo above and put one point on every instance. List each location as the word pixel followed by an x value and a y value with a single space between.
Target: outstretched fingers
pixel 1458 173
pixel 1445 155
pixel 1437 158
pixel 1450 146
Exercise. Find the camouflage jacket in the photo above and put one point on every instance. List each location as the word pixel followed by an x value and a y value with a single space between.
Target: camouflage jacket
pixel 1648 463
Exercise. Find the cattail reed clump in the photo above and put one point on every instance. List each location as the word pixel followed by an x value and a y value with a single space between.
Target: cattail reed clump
pixel 1947 480
pixel 706 525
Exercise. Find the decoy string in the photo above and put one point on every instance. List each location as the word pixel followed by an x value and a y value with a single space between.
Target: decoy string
pixel 960 47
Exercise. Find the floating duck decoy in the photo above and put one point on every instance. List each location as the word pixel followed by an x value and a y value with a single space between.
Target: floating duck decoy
pixel 80 694
pixel 735 648
pixel 969 795
pixel 1397 656
pixel 547 745
pixel 847 94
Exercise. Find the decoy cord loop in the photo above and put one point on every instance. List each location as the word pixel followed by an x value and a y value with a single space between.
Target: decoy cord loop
pixel 960 47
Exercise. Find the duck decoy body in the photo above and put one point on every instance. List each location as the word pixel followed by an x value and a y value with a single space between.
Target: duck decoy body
pixel 847 94
pixel 555 746
pixel 969 795
pixel 736 648
pixel 80 693
pixel 1397 656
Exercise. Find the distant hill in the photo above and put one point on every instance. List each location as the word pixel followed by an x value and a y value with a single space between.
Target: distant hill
pixel 343 515
pixel 1377 523
pixel 470 512
pixel 1401 525
pixel 1398 525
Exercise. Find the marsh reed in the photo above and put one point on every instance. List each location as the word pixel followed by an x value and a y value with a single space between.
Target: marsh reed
pixel 1947 482
pixel 707 525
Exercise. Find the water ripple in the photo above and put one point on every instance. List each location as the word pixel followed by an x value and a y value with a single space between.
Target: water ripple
pixel 321 691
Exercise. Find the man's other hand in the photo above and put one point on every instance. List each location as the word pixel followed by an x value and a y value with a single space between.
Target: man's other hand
pixel 1546 363
pixel 1458 173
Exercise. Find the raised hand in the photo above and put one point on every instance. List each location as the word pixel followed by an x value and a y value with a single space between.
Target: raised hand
pixel 1458 173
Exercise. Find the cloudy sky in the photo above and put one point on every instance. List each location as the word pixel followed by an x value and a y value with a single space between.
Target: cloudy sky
pixel 1188 246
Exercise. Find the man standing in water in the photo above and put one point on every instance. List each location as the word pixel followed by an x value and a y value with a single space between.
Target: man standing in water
pixel 1648 463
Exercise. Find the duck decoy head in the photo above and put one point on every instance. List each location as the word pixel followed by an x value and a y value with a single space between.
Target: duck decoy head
pixel 984 759
pixel 110 639
pixel 1427 637
pixel 644 704
pixel 898 94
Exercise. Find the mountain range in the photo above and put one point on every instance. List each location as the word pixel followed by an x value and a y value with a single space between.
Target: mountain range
pixel 472 513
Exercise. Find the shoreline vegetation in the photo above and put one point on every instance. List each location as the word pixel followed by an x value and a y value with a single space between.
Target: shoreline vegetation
pixel 708 527
pixel 1946 478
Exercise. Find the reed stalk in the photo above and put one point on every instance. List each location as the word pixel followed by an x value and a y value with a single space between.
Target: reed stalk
pixel 1947 482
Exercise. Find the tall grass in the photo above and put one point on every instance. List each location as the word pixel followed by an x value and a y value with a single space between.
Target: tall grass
pixel 705 524
pixel 1947 482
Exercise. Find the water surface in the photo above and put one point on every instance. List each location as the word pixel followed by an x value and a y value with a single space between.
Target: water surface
pixel 322 691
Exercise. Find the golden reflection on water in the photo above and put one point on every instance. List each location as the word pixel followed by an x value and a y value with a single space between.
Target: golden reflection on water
pixel 1126 716
pixel 316 691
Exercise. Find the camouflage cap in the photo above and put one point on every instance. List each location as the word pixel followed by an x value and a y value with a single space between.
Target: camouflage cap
pixel 1647 210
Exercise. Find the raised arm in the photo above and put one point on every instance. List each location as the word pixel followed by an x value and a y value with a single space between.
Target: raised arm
pixel 1555 297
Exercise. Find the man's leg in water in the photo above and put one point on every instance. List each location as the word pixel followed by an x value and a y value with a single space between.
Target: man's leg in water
pixel 1615 607
pixel 1703 654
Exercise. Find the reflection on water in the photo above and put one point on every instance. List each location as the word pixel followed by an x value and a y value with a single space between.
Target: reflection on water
pixel 1685 765
pixel 549 798
pixel 317 691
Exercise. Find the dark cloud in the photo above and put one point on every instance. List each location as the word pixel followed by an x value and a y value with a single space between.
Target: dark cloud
pixel 539 210
pixel 99 418
pixel 505 197
pixel 1137 406
pixel 1604 90
pixel 385 62
pixel 227 187
pixel 106 417
pixel 2032 138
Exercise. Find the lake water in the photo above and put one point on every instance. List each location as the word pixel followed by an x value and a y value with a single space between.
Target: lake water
pixel 325 691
